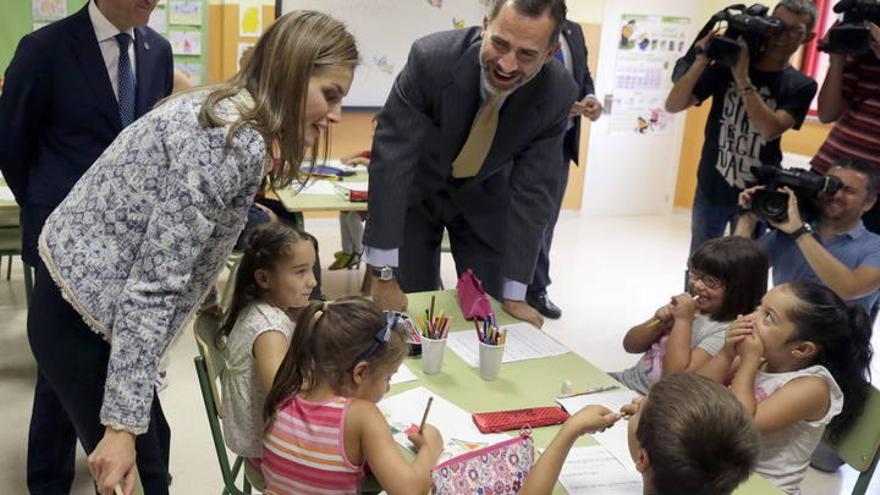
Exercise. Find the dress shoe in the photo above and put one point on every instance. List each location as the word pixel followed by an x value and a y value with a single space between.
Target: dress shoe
pixel 544 305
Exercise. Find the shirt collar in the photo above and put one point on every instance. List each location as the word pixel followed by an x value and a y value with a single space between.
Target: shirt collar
pixel 104 29
pixel 854 233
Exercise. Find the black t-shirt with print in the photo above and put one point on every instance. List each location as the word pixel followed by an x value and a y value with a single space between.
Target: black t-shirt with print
pixel 732 144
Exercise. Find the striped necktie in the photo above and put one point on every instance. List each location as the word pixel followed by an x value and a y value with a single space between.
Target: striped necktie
pixel 125 82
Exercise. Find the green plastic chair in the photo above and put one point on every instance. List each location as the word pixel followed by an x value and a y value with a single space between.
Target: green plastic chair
pixel 10 246
pixel 210 365
pixel 859 445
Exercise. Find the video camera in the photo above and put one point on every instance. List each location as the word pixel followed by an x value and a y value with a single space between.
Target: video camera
pixel 770 204
pixel 752 23
pixel 851 36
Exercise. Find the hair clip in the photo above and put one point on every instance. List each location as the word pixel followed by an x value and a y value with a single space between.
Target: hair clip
pixel 381 337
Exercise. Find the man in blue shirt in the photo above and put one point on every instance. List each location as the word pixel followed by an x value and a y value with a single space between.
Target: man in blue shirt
pixel 835 250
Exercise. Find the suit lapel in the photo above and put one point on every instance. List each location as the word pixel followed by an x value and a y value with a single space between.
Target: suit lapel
pixel 143 54
pixel 578 65
pixel 91 62
pixel 461 100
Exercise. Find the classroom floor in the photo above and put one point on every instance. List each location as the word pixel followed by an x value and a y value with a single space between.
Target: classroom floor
pixel 609 273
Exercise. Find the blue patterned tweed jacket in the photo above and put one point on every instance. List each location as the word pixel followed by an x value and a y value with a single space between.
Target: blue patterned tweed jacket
pixel 142 236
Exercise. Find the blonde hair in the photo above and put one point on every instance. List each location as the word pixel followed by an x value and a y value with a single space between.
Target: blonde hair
pixel 277 77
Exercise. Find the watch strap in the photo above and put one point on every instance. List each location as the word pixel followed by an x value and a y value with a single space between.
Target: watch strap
pixel 804 229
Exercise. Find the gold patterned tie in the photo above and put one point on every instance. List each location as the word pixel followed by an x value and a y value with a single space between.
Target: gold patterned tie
pixel 472 155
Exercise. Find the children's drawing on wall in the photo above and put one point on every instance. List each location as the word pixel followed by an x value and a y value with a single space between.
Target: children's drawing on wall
pixel 654 121
pixel 383 65
pixel 458 23
pixel 436 3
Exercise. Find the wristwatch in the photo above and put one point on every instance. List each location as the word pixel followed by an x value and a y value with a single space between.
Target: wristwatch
pixel 804 229
pixel 384 273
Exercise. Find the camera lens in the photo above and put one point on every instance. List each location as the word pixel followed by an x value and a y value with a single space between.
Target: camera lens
pixel 772 205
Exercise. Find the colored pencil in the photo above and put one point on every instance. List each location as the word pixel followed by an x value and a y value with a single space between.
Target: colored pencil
pixel 425 416
pixel 589 391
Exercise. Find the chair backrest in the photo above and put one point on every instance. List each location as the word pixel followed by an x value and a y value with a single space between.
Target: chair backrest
pixel 232 264
pixel 207 327
pixel 858 446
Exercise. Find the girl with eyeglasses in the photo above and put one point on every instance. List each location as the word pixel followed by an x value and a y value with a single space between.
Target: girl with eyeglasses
pixel 323 425
pixel 726 277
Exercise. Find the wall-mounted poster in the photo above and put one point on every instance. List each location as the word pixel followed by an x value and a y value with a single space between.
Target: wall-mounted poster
pixel 186 42
pixel 186 12
pixel 48 9
pixel 250 18
pixel 647 50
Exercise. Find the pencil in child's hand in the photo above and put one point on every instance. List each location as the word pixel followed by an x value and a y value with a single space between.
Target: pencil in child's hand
pixel 117 490
pixel 425 416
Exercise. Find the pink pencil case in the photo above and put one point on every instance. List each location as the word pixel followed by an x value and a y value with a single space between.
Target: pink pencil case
pixel 472 299
pixel 502 468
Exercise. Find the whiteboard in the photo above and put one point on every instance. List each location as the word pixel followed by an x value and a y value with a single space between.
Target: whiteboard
pixel 385 30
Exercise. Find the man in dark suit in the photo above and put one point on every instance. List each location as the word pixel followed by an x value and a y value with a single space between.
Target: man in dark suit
pixel 470 141
pixel 69 91
pixel 572 54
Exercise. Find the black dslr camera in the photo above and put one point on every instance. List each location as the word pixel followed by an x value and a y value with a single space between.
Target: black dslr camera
pixel 752 23
pixel 851 36
pixel 770 204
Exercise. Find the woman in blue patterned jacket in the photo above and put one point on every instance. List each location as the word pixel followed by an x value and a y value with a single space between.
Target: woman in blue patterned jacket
pixel 135 247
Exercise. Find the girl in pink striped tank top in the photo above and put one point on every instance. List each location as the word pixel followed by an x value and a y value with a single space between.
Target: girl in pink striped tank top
pixel 323 423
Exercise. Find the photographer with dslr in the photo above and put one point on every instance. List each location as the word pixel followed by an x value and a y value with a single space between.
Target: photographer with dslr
pixel 753 104
pixel 850 95
pixel 835 250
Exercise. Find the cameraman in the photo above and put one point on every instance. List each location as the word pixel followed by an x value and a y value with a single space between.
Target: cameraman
pixel 836 249
pixel 752 105
pixel 850 97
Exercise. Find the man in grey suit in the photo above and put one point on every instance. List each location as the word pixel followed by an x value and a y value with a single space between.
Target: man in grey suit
pixel 470 141
pixel 573 55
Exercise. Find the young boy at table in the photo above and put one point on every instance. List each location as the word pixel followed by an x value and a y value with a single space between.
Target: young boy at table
pixel 689 435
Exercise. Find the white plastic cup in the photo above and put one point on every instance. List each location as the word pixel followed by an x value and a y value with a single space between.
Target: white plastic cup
pixel 432 355
pixel 490 361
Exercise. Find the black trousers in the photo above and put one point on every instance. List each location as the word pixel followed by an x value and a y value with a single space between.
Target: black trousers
pixel 419 255
pixel 72 362
pixel 541 279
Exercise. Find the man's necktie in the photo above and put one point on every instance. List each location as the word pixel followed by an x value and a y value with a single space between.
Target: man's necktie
pixel 472 155
pixel 126 81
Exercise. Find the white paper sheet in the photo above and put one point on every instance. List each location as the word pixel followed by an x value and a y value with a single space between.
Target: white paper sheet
pixel 615 438
pixel 458 429
pixel 593 470
pixel 318 188
pixel 354 186
pixel 6 194
pixel 523 342
pixel 403 375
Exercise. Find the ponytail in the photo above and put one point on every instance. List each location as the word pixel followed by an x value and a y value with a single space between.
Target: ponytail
pixel 297 369
pixel 843 336
pixel 330 339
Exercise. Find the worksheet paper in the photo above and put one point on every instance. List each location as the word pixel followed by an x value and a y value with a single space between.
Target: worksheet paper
pixel 615 438
pixel 593 470
pixel 6 194
pixel 317 188
pixel 354 186
pixel 455 424
pixel 523 342
pixel 403 375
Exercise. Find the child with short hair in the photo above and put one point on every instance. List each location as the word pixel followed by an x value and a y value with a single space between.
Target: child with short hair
pixel 274 278
pixel 726 277
pixel 799 363
pixel 323 422
pixel 689 435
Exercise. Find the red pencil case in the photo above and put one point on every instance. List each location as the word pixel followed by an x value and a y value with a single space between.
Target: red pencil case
pixel 533 417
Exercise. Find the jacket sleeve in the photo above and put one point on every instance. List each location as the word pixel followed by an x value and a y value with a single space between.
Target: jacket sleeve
pixel 402 126
pixel 534 183
pixel 150 308
pixel 23 106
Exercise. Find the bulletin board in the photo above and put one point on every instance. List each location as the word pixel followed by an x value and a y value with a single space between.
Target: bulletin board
pixel 385 30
